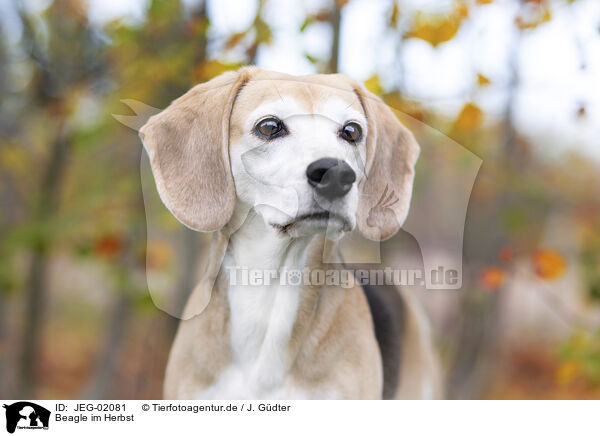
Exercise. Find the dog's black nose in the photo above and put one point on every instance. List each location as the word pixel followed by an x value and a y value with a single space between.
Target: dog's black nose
pixel 332 178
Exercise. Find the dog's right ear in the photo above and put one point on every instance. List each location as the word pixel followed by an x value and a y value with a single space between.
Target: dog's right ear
pixel 188 146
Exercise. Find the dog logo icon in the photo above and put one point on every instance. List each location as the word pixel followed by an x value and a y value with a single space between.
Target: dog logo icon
pixel 383 209
pixel 26 415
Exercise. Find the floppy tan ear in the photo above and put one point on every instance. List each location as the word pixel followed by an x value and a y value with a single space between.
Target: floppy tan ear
pixel 392 152
pixel 188 146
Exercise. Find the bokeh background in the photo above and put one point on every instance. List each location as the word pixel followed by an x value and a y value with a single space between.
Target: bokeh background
pixel 515 82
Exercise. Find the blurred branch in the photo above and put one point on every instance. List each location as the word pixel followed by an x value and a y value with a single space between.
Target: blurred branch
pixel 200 15
pixel 336 18
pixel 510 134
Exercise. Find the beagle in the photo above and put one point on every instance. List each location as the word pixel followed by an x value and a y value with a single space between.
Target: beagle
pixel 279 167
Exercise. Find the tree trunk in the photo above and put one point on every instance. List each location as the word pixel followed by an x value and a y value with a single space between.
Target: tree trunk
pixel 336 19
pixel 36 288
pixel 106 366
pixel 476 345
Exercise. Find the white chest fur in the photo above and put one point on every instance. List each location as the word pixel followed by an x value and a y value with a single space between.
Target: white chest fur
pixel 262 318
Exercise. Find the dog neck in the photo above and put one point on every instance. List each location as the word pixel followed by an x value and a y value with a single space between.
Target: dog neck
pixel 255 245
pixel 263 316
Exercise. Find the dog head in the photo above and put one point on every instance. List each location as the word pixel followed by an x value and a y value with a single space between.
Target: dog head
pixel 307 153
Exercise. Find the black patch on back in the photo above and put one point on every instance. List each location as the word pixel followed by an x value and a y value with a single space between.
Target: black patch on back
pixel 387 311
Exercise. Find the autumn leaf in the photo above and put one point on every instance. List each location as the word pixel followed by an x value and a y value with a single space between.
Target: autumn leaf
pixel 320 17
pixel 263 32
pixel 567 372
pixel 461 10
pixel 437 28
pixel 373 84
pixel 235 39
pixel 313 60
pixel 434 32
pixel 209 69
pixel 482 80
pixel 548 264
pixel 492 278
pixel 109 246
pixel 470 118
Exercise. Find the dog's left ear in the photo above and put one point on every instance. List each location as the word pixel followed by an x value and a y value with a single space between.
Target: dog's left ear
pixel 188 146
pixel 386 189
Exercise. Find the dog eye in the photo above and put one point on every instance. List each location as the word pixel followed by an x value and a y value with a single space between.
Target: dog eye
pixel 270 128
pixel 351 132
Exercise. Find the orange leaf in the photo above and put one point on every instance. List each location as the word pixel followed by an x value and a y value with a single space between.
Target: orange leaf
pixel 492 278
pixel 109 246
pixel 462 10
pixel 548 264
pixel 470 117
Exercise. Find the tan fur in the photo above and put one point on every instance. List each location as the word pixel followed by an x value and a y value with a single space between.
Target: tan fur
pixel 391 155
pixel 188 145
pixel 333 346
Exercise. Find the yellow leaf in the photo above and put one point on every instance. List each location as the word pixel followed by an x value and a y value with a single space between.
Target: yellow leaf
pixel 436 28
pixel 263 32
pixel 548 264
pixel 483 80
pixel 374 85
pixel 462 10
pixel 567 372
pixel 209 69
pixel 434 31
pixel 470 117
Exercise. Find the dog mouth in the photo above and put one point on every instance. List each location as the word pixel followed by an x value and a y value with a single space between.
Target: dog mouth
pixel 319 219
